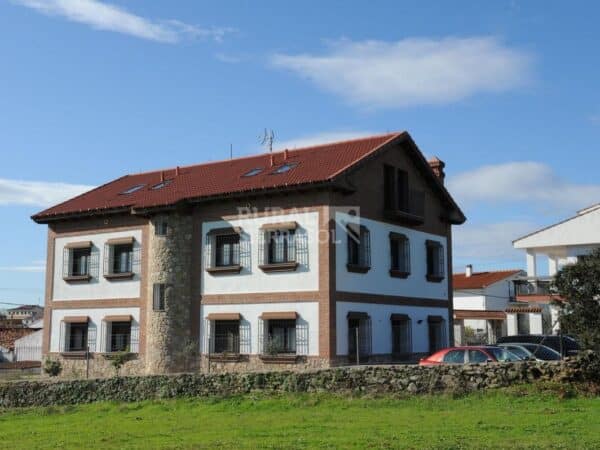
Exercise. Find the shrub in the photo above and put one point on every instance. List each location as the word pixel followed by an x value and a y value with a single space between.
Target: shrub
pixel 52 367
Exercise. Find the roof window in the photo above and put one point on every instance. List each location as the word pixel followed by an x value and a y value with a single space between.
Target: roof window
pixel 284 168
pixel 253 172
pixel 161 185
pixel 133 189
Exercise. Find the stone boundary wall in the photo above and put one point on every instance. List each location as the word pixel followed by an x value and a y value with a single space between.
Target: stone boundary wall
pixel 371 380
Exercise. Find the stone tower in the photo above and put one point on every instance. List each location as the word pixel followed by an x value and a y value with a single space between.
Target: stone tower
pixel 170 260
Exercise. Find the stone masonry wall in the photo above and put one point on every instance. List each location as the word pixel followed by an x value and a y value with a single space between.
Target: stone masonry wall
pixel 168 331
pixel 371 380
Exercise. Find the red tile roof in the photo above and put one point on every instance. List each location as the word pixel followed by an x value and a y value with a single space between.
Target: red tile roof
pixel 317 164
pixel 480 280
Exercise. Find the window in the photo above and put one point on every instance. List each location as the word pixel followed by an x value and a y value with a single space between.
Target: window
pixel 120 336
pixel 284 168
pixel 122 258
pixel 253 172
pixel 80 262
pixel 402 201
pixel 401 335
pixel 359 248
pixel 282 336
pixel 161 185
pixel 159 296
pixel 281 247
pixel 359 335
pixel 436 333
pixel 435 261
pixel 400 255
pixel 227 250
pixel 227 336
pixel 119 258
pixel 133 189
pixel 161 227
pixel 455 357
pixel 389 181
pixel 477 357
pixel 77 337
pixel 522 323
pixel 222 251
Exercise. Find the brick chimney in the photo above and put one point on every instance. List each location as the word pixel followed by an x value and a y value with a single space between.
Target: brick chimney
pixel 437 165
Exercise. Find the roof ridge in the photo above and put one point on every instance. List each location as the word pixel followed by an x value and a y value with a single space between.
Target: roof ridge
pixel 490 271
pixel 257 155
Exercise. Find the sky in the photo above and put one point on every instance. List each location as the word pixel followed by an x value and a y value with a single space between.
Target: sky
pixel 505 92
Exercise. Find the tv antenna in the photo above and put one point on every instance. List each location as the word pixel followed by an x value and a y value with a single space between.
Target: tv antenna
pixel 267 139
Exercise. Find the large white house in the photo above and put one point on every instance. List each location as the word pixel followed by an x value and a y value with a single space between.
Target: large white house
pixel 300 258
pixel 548 250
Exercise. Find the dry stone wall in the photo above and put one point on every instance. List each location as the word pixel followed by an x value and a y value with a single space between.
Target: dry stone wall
pixel 372 380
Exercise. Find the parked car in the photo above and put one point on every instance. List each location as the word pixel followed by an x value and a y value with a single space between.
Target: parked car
pixel 473 354
pixel 568 346
pixel 532 351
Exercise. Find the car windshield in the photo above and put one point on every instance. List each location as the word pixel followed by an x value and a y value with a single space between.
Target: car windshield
pixel 503 355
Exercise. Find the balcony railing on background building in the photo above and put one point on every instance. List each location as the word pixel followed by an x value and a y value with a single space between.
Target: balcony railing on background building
pixel 534 286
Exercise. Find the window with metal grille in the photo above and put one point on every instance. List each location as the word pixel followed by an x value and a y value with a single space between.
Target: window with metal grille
pixel 227 336
pixel 281 246
pixel 400 255
pixel 120 336
pixel 122 258
pixel 227 250
pixel 159 297
pixel 435 261
pixel 79 264
pixel 359 246
pixel 282 336
pixel 77 337
pixel 401 336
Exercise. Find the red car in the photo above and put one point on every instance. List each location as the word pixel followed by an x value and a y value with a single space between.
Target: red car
pixel 474 354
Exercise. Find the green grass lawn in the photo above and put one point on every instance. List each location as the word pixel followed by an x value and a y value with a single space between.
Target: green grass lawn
pixel 514 418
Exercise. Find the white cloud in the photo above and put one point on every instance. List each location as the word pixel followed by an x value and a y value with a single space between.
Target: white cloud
pixel 489 243
pixel 321 138
pixel 108 17
pixel 33 268
pixel 37 193
pixel 412 71
pixel 532 183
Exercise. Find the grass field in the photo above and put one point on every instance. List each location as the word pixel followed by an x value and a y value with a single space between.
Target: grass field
pixel 518 418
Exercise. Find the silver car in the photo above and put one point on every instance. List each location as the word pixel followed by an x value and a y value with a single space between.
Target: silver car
pixel 536 352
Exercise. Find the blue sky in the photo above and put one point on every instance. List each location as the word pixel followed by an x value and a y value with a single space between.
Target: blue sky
pixel 505 92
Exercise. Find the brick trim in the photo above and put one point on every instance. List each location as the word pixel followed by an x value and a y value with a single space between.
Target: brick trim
pixel 265 297
pixel 358 297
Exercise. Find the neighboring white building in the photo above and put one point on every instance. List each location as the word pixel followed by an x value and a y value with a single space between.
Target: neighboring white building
pixel 484 305
pixel 559 244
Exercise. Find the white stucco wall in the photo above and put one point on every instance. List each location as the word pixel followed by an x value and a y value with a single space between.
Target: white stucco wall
pixel 95 328
pixel 378 279
pixel 474 300
pixel 98 287
pixel 252 278
pixel 381 327
pixel 29 348
pixel 308 317
pixel 583 229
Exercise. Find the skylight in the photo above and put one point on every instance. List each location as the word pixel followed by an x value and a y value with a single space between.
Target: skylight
pixel 133 189
pixel 285 168
pixel 161 185
pixel 253 172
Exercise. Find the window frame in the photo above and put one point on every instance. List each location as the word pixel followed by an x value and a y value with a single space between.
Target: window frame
pixel 161 227
pixel 358 248
pixel 399 241
pixel 286 325
pixel 84 347
pixel 285 236
pixel 127 348
pixel 435 269
pixel 228 325
pixel 211 261
pixel 159 297
pixel 72 252
pixel 126 246
pixel 398 322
